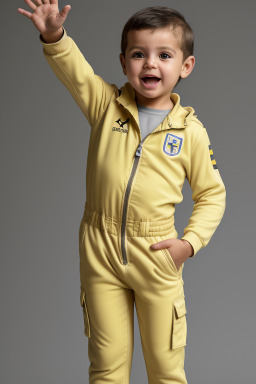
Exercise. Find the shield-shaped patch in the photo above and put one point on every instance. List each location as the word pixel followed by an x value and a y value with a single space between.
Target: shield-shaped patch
pixel 172 144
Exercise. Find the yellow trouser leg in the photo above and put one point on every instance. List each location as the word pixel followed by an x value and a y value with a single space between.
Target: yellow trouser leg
pixel 108 309
pixel 108 292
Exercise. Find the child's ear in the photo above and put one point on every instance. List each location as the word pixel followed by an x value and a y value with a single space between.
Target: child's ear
pixel 122 61
pixel 187 67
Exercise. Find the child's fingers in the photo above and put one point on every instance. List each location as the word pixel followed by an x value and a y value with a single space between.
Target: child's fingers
pixel 167 243
pixel 65 11
pixel 161 244
pixel 31 4
pixel 25 13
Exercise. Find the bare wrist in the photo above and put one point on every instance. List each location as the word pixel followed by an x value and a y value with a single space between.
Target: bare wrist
pixel 49 38
pixel 189 247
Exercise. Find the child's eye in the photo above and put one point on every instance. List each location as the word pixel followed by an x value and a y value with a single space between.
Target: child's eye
pixel 137 53
pixel 165 54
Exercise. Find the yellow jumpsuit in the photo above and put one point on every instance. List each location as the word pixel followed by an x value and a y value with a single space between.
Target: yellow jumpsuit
pixel 132 186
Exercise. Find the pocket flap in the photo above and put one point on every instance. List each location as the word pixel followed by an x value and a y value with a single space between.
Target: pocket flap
pixel 180 307
pixel 82 298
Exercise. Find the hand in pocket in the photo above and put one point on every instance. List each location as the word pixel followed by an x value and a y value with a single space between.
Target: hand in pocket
pixel 180 250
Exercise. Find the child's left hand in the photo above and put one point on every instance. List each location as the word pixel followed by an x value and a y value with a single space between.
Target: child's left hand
pixel 179 249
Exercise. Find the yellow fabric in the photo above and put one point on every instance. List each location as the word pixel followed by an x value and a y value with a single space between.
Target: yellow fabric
pixel 116 274
pixel 163 165
pixel 110 291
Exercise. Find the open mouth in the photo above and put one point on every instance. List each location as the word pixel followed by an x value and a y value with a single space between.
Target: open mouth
pixel 150 80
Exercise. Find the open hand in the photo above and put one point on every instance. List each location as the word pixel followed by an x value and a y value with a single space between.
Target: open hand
pixel 46 16
pixel 179 249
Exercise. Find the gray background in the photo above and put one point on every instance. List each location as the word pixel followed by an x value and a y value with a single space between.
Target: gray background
pixel 44 142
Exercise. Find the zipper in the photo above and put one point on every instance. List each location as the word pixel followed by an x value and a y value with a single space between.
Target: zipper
pixel 127 193
pixel 126 198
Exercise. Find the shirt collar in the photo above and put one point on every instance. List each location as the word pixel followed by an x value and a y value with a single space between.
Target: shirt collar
pixel 178 117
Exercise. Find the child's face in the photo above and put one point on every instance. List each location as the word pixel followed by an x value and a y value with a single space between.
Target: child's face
pixel 146 56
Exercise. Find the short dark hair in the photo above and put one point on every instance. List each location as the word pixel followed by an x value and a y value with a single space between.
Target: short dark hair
pixel 161 17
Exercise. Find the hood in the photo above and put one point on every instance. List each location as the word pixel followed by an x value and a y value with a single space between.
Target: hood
pixel 178 117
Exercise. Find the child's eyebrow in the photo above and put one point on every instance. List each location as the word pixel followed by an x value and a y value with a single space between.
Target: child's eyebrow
pixel 166 47
pixel 171 49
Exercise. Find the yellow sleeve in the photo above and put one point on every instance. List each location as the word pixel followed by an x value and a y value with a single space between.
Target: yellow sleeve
pixel 209 194
pixel 90 91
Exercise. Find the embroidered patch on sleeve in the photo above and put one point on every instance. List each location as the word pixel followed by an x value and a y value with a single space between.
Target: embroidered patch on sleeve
pixel 214 164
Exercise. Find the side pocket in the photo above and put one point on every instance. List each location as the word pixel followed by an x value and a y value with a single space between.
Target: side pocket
pixel 87 330
pixel 82 230
pixel 179 327
pixel 170 260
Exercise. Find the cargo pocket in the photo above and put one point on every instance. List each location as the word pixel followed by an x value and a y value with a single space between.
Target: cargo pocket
pixel 87 331
pixel 179 327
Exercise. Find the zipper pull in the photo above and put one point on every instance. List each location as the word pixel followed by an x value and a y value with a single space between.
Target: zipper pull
pixel 138 151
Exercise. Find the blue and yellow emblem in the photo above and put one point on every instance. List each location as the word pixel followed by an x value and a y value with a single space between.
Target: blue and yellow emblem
pixel 214 164
pixel 172 144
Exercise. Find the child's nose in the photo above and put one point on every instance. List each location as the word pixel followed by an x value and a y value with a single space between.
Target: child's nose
pixel 150 62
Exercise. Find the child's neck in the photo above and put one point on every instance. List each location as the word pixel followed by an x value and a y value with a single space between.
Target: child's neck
pixel 153 103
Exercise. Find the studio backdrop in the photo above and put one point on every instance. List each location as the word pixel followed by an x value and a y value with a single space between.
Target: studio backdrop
pixel 44 143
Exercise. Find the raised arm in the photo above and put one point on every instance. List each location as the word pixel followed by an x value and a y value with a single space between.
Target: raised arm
pixel 90 91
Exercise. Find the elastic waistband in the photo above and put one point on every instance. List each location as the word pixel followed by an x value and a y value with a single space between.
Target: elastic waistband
pixel 146 228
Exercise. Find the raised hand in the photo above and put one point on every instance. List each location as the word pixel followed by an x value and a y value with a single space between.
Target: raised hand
pixel 46 16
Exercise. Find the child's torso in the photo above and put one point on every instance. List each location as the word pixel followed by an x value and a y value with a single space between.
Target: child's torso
pixel 147 185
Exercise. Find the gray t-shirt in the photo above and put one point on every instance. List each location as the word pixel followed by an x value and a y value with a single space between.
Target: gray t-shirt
pixel 150 118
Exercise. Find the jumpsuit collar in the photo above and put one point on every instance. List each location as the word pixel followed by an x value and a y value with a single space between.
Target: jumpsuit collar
pixel 178 117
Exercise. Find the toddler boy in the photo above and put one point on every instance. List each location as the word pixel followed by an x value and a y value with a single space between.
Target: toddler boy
pixel 143 144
